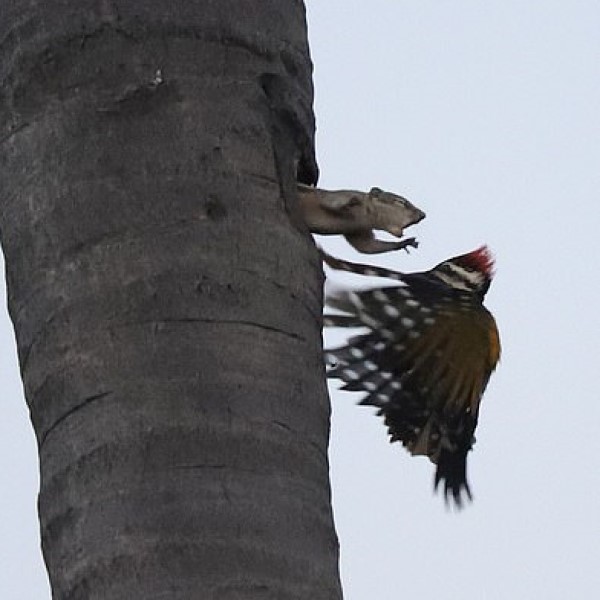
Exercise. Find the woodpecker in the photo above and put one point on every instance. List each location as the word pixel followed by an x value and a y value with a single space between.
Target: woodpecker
pixel 426 358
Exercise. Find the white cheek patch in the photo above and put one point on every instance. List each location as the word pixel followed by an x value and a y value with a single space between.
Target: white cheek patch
pixel 475 277
pixel 461 278
pixel 452 282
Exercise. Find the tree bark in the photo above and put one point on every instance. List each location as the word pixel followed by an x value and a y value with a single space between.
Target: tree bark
pixel 166 300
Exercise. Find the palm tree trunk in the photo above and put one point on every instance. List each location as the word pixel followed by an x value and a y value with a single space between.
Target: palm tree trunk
pixel 166 304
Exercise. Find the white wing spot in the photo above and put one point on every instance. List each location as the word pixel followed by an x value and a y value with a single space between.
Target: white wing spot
pixel 383 398
pixel 379 346
pixel 369 321
pixel 370 272
pixel 391 311
pixel 404 292
pixel 370 386
pixel 370 365
pixel 412 303
pixel 331 358
pixel 386 375
pixel 408 323
pixel 350 374
pixel 388 334
pixel 355 300
pixel 380 296
pixel 426 310
pixel 429 320
pixel 414 334
pixel 356 352
pixel 396 385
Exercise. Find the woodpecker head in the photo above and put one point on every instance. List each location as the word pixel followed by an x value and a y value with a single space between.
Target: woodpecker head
pixel 467 274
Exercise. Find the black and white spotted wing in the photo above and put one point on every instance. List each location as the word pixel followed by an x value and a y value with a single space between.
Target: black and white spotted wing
pixel 415 365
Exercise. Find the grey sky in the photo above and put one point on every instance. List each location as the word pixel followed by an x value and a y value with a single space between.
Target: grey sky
pixel 486 115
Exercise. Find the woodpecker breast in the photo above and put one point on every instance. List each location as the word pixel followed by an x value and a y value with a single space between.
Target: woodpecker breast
pixel 426 358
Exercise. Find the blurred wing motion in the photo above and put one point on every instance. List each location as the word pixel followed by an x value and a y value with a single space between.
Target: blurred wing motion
pixel 426 359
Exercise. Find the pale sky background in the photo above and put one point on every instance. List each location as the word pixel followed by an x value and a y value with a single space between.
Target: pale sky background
pixel 487 116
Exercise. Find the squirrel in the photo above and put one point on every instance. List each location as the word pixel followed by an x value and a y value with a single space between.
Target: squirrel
pixel 356 215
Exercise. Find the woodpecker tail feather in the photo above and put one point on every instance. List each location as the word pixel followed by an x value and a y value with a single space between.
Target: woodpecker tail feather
pixel 369 270
pixel 452 471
